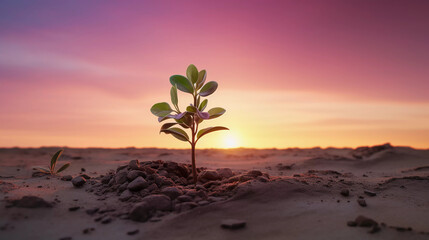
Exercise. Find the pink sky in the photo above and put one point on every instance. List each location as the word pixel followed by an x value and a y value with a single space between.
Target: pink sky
pixel 290 73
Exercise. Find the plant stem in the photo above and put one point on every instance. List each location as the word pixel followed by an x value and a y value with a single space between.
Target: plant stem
pixel 194 132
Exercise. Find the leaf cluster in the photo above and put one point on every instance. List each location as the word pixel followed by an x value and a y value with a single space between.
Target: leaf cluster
pixel 194 83
pixel 53 163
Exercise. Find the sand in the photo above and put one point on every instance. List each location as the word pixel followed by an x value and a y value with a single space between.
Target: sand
pixel 302 200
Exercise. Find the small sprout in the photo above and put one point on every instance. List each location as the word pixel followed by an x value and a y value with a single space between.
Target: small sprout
pixel 193 83
pixel 54 160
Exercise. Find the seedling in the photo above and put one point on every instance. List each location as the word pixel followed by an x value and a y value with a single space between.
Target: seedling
pixel 54 160
pixel 193 83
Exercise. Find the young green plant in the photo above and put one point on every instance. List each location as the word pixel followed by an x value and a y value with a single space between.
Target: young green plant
pixel 195 84
pixel 53 163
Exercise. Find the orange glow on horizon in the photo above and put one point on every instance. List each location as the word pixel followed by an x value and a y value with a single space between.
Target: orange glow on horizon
pixel 290 73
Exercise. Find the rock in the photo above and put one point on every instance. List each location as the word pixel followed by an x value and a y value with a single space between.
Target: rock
pixel 106 220
pixel 133 174
pixel 182 171
pixel 208 175
pixel 203 203
pixel 123 187
pixel 254 173
pixel 125 195
pixel 106 179
pixel 82 169
pixel 363 221
pixel 66 238
pixel 92 211
pixel 133 232
pixel 370 193
pixel 345 192
pixel 172 192
pixel 184 198
pixel 375 228
pixel 215 199
pixel 75 208
pixel 351 224
pixel 262 179
pixel 152 187
pixel 66 178
pixel 138 184
pixel 159 180
pixel 121 177
pixel 134 164
pixel 224 172
pixel 85 176
pixel 233 224
pixel 162 173
pixel 362 202
pixel 31 202
pixel 78 181
pixel 187 206
pixel 167 182
pixel 158 202
pixel 141 212
pixel 88 230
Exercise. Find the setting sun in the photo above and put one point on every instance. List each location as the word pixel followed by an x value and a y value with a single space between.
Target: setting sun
pixel 230 141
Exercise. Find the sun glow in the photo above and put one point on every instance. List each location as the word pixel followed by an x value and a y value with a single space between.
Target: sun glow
pixel 230 141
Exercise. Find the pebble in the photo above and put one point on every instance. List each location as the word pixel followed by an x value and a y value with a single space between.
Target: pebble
pixel 134 164
pixel 370 193
pixel 158 202
pixel 172 192
pixel 78 181
pixel 72 209
pixel 345 192
pixel 133 232
pixel 141 212
pixel 121 177
pixel 138 184
pixel 208 175
pixel 92 211
pixel 225 172
pixel 66 178
pixel 31 202
pixel 133 174
pixel 106 220
pixel 184 198
pixel 362 202
pixel 88 230
pixel 233 224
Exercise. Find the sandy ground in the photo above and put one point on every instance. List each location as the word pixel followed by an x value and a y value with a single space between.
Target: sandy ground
pixel 303 202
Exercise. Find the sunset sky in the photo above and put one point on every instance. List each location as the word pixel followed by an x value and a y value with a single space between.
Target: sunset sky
pixel 290 73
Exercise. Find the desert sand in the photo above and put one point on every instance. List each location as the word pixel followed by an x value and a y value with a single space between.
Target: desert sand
pixel 305 194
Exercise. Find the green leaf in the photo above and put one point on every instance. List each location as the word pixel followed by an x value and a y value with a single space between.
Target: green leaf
pixel 191 109
pixel 216 112
pixel 187 120
pixel 54 159
pixel 182 83
pixel 161 109
pixel 177 133
pixel 64 167
pixel 174 98
pixel 192 73
pixel 203 105
pixel 205 131
pixel 208 89
pixel 167 126
pixel 202 75
pixel 43 170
